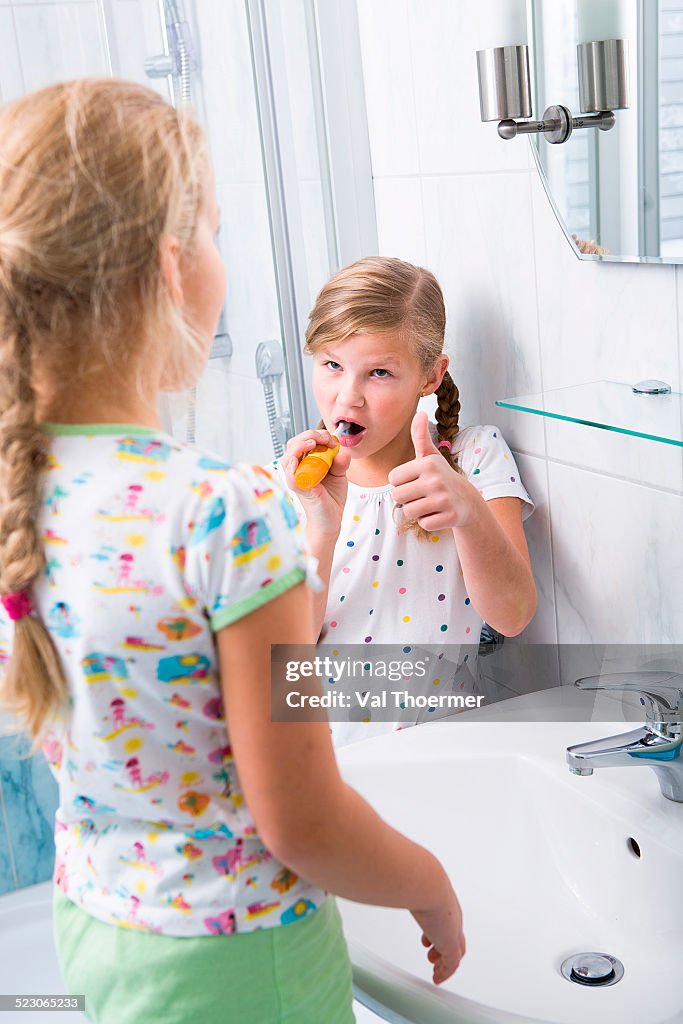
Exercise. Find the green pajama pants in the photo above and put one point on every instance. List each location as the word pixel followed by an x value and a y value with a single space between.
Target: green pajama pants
pixel 297 973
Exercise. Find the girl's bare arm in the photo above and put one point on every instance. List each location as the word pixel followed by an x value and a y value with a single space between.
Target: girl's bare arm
pixel 304 812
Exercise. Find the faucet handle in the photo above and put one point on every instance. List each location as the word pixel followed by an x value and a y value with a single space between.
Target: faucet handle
pixel 660 692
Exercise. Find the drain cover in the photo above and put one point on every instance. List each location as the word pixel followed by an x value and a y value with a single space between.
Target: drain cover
pixel 596 969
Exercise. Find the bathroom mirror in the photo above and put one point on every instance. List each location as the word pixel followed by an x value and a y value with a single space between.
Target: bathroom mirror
pixel 622 188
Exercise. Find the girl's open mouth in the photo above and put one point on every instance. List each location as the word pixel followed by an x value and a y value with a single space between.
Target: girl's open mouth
pixel 349 433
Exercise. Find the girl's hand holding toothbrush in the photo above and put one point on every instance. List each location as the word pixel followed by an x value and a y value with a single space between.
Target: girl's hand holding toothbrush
pixel 324 503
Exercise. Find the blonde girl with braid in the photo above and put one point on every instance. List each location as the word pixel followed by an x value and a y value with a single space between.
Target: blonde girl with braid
pixel 142 581
pixel 418 526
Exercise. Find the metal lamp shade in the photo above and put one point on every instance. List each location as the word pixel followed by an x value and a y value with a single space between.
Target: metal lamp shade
pixel 603 75
pixel 504 84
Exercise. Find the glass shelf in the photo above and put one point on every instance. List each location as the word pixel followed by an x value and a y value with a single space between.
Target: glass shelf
pixel 609 406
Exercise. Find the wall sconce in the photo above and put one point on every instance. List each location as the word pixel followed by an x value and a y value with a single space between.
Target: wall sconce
pixel 505 91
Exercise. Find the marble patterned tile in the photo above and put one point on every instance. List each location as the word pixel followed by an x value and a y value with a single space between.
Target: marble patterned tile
pixel 533 472
pixel 228 90
pixel 389 88
pixel 299 107
pixel 30 799
pixel 231 418
pixel 11 78
pixel 314 237
pixel 400 219
pixel 580 660
pixel 518 668
pixel 530 661
pixel 480 246
pixel 55 3
pixel 59 40
pixel 251 297
pixel 134 33
pixel 444 38
pixel 617 558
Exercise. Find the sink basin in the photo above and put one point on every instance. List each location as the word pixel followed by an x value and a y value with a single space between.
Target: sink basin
pixel 545 864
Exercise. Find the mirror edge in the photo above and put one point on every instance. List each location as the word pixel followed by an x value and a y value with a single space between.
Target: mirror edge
pixel 665 261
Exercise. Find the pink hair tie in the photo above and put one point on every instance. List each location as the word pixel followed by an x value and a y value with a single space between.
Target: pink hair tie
pixel 17 605
pixel 446 444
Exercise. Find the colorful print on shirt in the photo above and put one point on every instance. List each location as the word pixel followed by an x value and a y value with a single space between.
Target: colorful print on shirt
pixel 151 546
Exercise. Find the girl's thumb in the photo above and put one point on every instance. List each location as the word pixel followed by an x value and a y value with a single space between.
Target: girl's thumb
pixel 419 431
pixel 342 461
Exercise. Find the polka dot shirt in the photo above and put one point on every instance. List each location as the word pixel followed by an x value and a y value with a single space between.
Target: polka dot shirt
pixel 393 588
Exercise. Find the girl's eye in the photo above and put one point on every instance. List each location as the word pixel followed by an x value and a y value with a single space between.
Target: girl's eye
pixel 331 364
pixel 382 373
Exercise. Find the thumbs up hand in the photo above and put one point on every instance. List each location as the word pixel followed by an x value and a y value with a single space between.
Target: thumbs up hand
pixel 429 490
pixel 422 439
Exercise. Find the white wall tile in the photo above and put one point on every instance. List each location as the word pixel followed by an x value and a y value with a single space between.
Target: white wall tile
pixel 313 234
pixel 135 33
pixel 387 73
pixel 400 219
pixel 531 661
pixel 11 78
pixel 228 89
pixel 300 108
pixel 251 298
pixel 58 41
pixel 618 559
pixel 618 455
pixel 231 417
pixel 444 39
pixel 533 473
pixel 480 246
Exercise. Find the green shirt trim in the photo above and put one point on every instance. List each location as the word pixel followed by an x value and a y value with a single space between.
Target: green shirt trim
pixel 91 429
pixel 226 616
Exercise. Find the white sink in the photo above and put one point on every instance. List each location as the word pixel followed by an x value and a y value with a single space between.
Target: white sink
pixel 543 863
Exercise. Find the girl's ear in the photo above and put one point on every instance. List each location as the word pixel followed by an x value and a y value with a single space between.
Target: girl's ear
pixel 170 268
pixel 435 376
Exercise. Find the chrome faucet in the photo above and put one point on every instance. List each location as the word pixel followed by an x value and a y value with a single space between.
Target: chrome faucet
pixel 658 743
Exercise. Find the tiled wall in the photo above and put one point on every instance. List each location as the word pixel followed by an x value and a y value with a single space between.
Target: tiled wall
pixel 525 314
pixel 28 800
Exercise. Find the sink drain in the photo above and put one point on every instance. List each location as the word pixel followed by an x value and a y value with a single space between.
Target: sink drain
pixel 593 969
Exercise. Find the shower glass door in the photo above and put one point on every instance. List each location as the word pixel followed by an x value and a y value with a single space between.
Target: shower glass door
pixel 278 87
pixel 262 87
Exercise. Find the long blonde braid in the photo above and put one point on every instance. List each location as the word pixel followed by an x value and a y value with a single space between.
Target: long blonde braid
pixel 94 173
pixel 22 559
